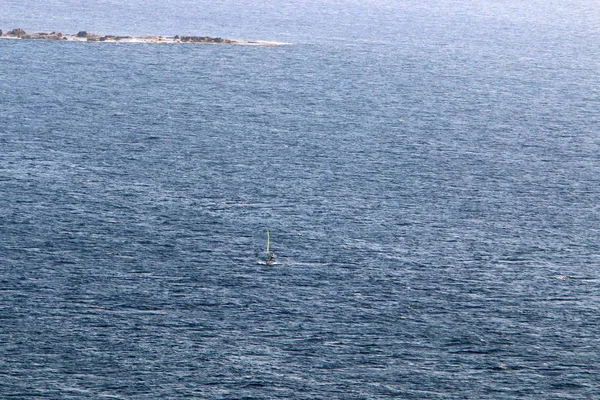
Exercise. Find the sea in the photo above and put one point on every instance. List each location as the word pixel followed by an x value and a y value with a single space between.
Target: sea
pixel 428 172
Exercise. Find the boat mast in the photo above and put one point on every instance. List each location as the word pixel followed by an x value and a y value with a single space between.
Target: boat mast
pixel 268 244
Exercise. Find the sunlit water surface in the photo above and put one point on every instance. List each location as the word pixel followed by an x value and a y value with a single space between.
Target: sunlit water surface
pixel 428 171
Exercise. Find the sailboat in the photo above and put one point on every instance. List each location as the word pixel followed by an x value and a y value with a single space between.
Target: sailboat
pixel 269 256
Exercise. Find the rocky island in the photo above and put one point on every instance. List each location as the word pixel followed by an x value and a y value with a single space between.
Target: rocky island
pixel 84 36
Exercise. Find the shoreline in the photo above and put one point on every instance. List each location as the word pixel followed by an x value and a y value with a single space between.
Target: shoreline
pixel 83 36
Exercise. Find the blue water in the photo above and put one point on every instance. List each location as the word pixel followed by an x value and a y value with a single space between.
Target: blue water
pixel 428 171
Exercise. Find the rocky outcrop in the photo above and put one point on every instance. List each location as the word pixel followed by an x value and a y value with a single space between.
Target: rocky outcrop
pixel 47 36
pixel 203 39
pixel 90 37
pixel 21 34
pixel 112 38
pixel 84 36
pixel 18 32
